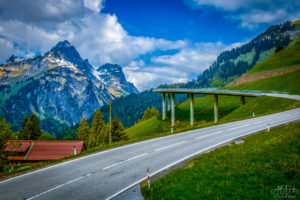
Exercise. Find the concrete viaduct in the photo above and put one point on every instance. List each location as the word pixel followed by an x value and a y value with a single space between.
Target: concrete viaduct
pixel 170 92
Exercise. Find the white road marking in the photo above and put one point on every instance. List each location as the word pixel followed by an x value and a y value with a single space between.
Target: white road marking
pixel 257 122
pixel 170 146
pixel 183 159
pixel 269 120
pixel 290 112
pixel 58 186
pixel 282 117
pixel 135 157
pixel 230 129
pixel 176 162
pixel 204 136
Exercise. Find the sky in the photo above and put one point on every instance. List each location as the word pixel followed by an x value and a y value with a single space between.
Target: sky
pixel 155 41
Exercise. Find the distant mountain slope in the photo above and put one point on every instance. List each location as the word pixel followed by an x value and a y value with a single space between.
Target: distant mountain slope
pixel 58 85
pixel 264 76
pixel 228 66
pixel 233 63
pixel 284 61
pixel 287 57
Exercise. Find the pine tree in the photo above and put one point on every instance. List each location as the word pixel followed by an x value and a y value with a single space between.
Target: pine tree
pixel 106 134
pixel 150 113
pixel 117 129
pixel 91 141
pixel 31 129
pixel 154 112
pixel 83 131
pixel 5 134
pixel 97 130
pixel 279 48
pixel 25 120
pixel 27 132
pixel 36 128
pixel 147 114
pixel 24 135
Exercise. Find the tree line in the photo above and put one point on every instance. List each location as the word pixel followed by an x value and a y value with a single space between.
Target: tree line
pixel 93 136
pixel 98 133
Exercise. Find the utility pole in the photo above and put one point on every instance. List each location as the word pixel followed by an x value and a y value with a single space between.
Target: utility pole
pixel 110 120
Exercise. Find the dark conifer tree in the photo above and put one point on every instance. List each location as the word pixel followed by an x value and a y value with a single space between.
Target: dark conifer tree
pixel 97 130
pixel 117 129
pixel 31 129
pixel 24 134
pixel 83 131
pixel 36 128
pixel 5 134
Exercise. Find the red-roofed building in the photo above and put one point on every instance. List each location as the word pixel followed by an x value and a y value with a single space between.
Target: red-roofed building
pixel 18 145
pixel 38 150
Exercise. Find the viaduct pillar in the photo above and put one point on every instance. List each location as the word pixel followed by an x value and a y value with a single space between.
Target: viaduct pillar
pixel 216 114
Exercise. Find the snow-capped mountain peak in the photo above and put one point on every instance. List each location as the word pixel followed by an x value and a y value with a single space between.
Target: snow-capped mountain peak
pixel 59 84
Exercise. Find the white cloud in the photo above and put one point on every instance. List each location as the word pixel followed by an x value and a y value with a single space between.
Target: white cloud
pixel 94 5
pixel 98 37
pixel 175 68
pixel 255 17
pixel 101 38
pixel 252 13
pixel 224 4
pixel 196 57
pixel 110 42
pixel 26 36
pixel 151 77
pixel 45 13
pixel 6 48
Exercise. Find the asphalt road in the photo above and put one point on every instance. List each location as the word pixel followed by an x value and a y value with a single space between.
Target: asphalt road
pixel 288 96
pixel 105 174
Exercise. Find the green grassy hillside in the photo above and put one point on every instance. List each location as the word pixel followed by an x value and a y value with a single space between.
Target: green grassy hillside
pixel 251 170
pixel 229 110
pixel 288 57
pixel 262 105
pixel 229 107
pixel 203 113
pixel 289 82
pixel 150 127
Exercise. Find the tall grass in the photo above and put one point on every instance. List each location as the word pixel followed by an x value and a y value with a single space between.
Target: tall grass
pixel 251 170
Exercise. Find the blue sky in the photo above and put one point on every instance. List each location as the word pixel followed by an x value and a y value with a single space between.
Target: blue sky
pixel 175 20
pixel 155 41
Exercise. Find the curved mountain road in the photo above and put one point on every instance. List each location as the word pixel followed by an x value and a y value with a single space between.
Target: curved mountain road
pixel 105 174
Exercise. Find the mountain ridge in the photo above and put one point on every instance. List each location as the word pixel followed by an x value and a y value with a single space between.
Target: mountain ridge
pixel 130 105
pixel 58 84
pixel 231 64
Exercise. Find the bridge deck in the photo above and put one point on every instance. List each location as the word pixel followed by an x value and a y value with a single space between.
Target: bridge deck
pixel 206 91
pixel 190 92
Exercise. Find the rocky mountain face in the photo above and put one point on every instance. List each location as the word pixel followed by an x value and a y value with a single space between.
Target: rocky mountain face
pixel 13 58
pixel 58 85
pixel 113 76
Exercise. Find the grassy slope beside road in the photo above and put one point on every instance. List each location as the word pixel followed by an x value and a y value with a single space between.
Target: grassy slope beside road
pixel 203 113
pixel 251 170
pixel 287 57
pixel 289 82
pixel 263 105
pixel 229 110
